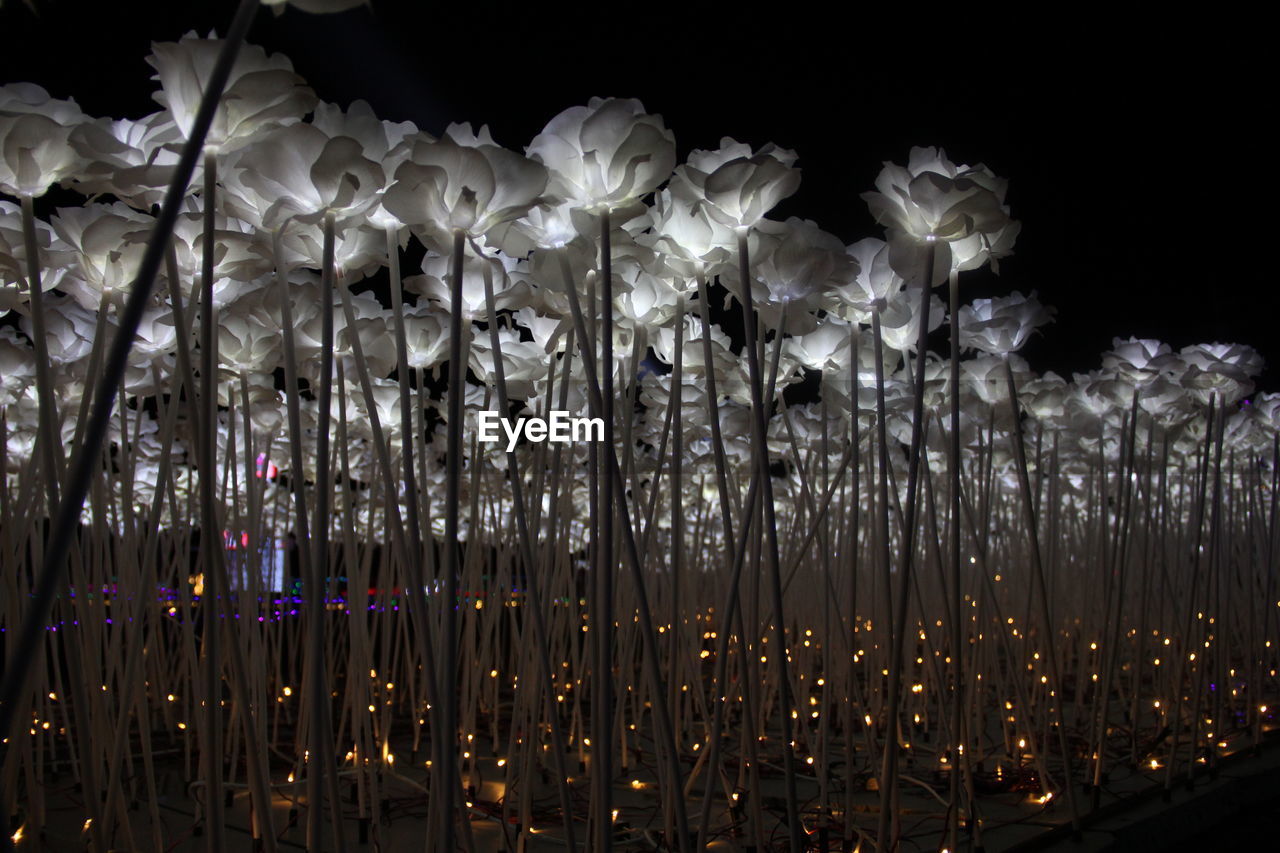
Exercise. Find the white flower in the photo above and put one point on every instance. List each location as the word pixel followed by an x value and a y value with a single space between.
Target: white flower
pixel 663 341
pixel 35 154
pixel 900 319
pixel 1002 325
pixel 1098 394
pixel 1045 397
pixel 444 187
pixel 156 336
pixel 685 231
pixel 826 348
pixel 236 256
pixel 357 252
pixel 984 377
pixel 17 365
pixel 249 338
pixel 605 155
pixel 108 242
pixel 53 254
pixel 24 98
pixel 547 332
pixel 262 90
pixel 434 284
pixel 523 362
pixel 933 200
pixel 644 298
pixel 426 331
pixel 384 142
pixel 68 330
pixel 1226 370
pixel 373 326
pixel 1142 361
pixel 132 160
pixel 545 226
pixel 802 264
pixel 874 282
pixel 306 174
pixel 737 186
pixel 969 253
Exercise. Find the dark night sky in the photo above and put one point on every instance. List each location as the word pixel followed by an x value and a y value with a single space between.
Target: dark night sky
pixel 1136 153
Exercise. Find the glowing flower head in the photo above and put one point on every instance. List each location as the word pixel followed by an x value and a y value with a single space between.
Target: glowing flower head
pixel 262 90
pixel 605 155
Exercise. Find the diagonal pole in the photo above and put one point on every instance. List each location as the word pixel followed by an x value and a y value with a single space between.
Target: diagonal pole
pixel 26 649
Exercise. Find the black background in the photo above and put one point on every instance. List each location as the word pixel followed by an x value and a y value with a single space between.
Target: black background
pixel 1135 150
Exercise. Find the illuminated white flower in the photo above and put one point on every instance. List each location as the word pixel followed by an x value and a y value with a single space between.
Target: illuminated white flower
pixel 738 187
pixel 306 175
pixel 797 269
pixel 433 284
pixel 357 251
pixel 1226 370
pixel 547 332
pixel 156 336
pixel 685 231
pixel 1142 361
pixel 900 319
pixel 874 282
pixel 262 90
pixel 984 377
pixel 237 258
pixel 969 253
pixel 1165 400
pixel 249 338
pixel 26 98
pixel 605 155
pixel 35 154
pixel 17 365
pixel 694 363
pixel 644 298
pixel 426 331
pixel 933 200
pixel 384 142
pixel 54 257
pixel 444 187
pixel 373 326
pixel 1045 397
pixel 544 226
pixel 68 330
pixel 825 348
pixel 523 362
pixel 386 401
pixel 1002 325
pixel 1098 394
pixel 107 242
pixel 131 160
